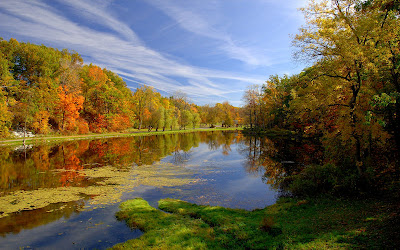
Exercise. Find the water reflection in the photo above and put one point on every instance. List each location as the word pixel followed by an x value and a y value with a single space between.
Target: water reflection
pixel 35 177
pixel 43 184
pixel 63 165
pixel 42 216
pixel 279 157
pixel 35 168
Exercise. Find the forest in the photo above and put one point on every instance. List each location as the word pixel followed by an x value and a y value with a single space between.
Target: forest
pixel 315 166
pixel 348 100
pixel 48 91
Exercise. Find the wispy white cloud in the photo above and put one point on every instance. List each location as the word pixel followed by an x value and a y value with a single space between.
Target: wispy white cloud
pixel 120 50
pixel 202 19
pixel 100 16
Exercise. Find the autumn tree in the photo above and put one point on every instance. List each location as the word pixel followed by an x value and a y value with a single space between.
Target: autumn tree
pixel 108 102
pixel 69 106
pixel 145 103
pixel 186 119
pixel 47 90
pixel 384 53
pixel 195 119
pixel 168 117
pixel 212 116
pixel 6 84
pixel 252 97
pixel 338 37
pixel 160 118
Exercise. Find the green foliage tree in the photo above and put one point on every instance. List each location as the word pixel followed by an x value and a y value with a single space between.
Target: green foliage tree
pixel 160 118
pixel 168 117
pixel 186 119
pixel 196 119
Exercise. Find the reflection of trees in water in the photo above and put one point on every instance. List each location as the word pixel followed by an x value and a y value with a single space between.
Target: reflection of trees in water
pixel 52 166
pixel 16 222
pixel 277 158
pixel 215 140
pixel 35 168
pixel 212 141
pixel 180 157
pixel 260 154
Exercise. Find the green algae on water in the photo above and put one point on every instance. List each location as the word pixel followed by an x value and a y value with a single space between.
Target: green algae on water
pixel 109 187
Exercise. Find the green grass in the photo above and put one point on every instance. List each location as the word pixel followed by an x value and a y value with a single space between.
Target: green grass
pixel 128 133
pixel 295 224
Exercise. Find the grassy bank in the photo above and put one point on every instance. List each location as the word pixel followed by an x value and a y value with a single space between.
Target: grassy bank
pixel 300 224
pixel 128 133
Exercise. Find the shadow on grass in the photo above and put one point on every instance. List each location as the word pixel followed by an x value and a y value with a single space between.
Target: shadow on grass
pixel 317 223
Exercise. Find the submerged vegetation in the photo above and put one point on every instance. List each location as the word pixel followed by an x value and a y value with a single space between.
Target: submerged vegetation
pixel 291 223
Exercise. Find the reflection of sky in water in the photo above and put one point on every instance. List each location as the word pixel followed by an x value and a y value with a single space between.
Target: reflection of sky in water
pixel 223 181
pixel 228 184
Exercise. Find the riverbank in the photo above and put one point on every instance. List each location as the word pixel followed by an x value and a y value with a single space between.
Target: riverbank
pixel 128 133
pixel 321 223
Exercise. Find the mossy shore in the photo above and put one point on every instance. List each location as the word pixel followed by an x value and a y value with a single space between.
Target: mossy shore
pixel 129 133
pixel 291 223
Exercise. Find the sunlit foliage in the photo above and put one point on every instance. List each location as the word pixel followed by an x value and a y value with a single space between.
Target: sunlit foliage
pixel 349 99
pixel 48 91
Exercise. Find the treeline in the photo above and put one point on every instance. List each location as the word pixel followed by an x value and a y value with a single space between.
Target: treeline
pixel 349 99
pixel 45 90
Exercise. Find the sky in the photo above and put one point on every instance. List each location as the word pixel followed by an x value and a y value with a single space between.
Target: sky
pixel 211 50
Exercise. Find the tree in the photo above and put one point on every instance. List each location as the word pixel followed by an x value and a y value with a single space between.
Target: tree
pixel 186 119
pixel 5 116
pixel 141 98
pixel 339 38
pixel 196 120
pixel 6 84
pixel 108 102
pixel 252 97
pixel 384 53
pixel 212 116
pixel 160 118
pixel 68 108
pixel 168 117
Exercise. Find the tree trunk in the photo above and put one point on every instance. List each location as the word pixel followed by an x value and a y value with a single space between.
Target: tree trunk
pixel 397 112
pixel 251 122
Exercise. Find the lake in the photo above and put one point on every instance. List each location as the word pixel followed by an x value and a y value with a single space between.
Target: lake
pixel 66 195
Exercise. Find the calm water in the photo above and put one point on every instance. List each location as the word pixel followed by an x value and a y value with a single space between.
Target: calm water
pixel 66 196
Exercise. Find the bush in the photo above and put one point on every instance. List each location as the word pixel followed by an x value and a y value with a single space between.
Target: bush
pixel 314 180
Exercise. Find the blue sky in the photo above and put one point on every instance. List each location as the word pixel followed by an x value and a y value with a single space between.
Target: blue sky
pixel 209 49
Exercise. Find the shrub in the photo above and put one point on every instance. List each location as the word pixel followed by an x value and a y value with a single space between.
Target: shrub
pixel 314 180
pixel 268 225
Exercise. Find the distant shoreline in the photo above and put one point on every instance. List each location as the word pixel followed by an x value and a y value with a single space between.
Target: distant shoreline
pixel 59 138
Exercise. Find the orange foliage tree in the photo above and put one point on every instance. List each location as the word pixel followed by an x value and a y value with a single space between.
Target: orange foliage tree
pixel 70 103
